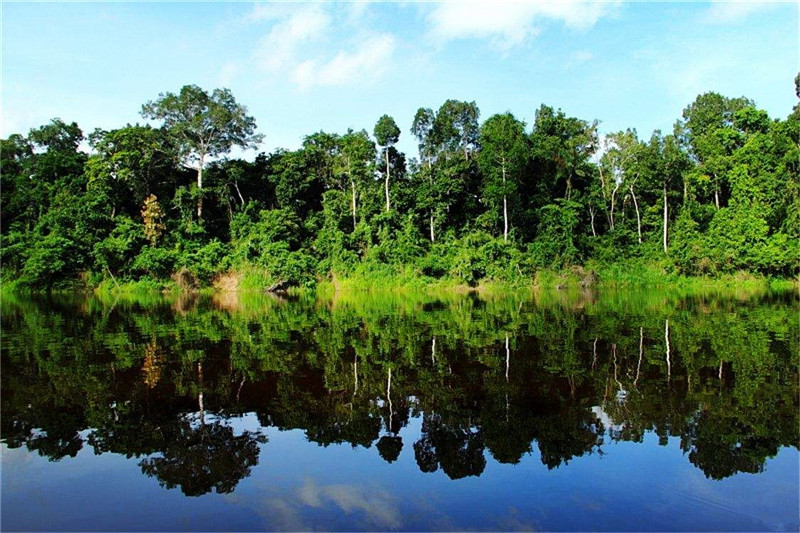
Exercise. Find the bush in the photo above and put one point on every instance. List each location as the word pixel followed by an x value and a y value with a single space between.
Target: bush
pixel 156 262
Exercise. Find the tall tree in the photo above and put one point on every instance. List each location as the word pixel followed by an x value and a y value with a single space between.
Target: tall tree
pixel 204 125
pixel 562 146
pixel 387 134
pixel 707 126
pixel 502 158
pixel 131 163
pixel 355 160
pixel 667 164
pixel 455 127
pixel 422 129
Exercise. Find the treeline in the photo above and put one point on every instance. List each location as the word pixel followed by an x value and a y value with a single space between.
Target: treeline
pixel 491 200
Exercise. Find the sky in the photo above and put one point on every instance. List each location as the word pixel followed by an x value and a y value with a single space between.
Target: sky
pixel 305 67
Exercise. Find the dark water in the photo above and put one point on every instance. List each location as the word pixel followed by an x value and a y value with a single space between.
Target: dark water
pixel 644 411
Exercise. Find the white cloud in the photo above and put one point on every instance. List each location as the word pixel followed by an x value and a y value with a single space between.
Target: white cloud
pixel 287 36
pixel 378 506
pixel 306 46
pixel 508 24
pixel 365 64
pixel 732 11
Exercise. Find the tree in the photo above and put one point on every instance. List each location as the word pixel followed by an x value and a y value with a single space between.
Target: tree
pixel 455 127
pixel 422 129
pixel 667 165
pixel 622 157
pixel 387 134
pixel 502 158
pixel 562 145
pixel 204 125
pixel 131 163
pixel 707 124
pixel 355 159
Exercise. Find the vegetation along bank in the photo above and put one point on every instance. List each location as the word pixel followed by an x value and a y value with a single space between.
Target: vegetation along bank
pixel 482 202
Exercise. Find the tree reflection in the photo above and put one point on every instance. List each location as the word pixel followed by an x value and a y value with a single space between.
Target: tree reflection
pixel 457 450
pixel 200 457
pixel 504 376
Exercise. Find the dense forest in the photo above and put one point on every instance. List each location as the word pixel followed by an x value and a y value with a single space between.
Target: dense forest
pixel 497 200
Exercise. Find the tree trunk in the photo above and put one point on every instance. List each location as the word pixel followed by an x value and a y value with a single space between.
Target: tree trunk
pixel 200 188
pixel 430 177
pixel 685 191
pixel 505 205
pixel 353 185
pixel 387 178
pixel 665 217
pixel 505 218
pixel 716 196
pixel 613 196
pixel 638 218
pixel 591 215
pixel 241 198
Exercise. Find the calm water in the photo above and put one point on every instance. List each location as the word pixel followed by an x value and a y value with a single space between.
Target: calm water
pixel 644 411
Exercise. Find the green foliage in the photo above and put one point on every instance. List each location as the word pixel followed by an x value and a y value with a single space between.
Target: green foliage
pixel 117 252
pixel 158 263
pixel 554 245
pixel 483 203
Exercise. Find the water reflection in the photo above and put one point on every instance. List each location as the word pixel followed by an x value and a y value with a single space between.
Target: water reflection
pixel 164 381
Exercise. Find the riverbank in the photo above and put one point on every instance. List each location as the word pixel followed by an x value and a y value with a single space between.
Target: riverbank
pixel 591 276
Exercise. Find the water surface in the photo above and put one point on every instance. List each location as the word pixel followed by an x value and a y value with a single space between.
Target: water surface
pixel 556 411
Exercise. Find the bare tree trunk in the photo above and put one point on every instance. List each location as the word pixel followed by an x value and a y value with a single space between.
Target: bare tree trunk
pixel 353 185
pixel 387 178
pixel 241 198
pixel 591 215
pixel 613 196
pixel 433 350
pixel 430 177
pixel 200 189
pixel 638 218
pixel 665 217
pixel 716 191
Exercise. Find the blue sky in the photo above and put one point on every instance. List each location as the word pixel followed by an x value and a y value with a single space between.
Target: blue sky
pixel 305 67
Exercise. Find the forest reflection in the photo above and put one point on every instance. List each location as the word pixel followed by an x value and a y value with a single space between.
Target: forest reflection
pixel 555 375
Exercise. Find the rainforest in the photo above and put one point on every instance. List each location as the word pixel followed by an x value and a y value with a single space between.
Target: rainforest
pixel 164 205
